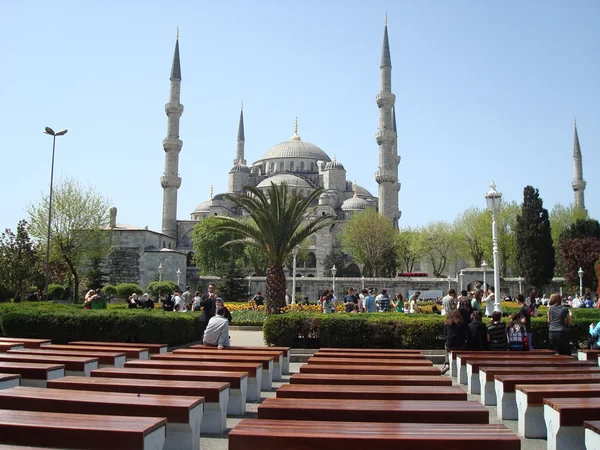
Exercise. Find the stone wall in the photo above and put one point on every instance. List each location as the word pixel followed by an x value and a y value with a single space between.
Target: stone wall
pixel 124 265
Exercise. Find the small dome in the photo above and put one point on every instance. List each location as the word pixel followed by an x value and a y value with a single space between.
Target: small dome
pixel 295 149
pixel 240 168
pixel 362 192
pixel 355 204
pixel 335 164
pixel 291 180
pixel 203 207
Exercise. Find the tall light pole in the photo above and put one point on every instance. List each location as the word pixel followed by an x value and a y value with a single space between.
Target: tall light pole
pixel 449 282
pixel 362 282
pixel 484 266
pixel 294 255
pixel 460 276
pixel 178 273
pixel 160 269
pixel 333 272
pixel 580 273
pixel 520 284
pixel 49 131
pixel 494 199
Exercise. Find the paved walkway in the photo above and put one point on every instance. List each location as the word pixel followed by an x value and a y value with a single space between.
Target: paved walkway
pixel 240 337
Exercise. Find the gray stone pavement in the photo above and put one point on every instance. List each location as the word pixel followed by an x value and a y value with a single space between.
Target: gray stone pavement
pixel 240 337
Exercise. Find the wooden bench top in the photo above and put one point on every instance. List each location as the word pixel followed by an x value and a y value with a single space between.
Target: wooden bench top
pixel 491 372
pixel 233 378
pixel 510 381
pixel 9 376
pixel 591 354
pixel 36 371
pixel 27 342
pixel 364 379
pixel 593 425
pixel 153 348
pixel 539 362
pixel 6 346
pixel 266 361
pixel 368 392
pixel 131 352
pixel 226 352
pixel 574 411
pixel 21 447
pixel 174 407
pixel 536 393
pixel 250 368
pixel 70 362
pixel 456 353
pixel 207 389
pixel 285 350
pixel 375 370
pixel 373 410
pixel 298 435
pixel 70 430
pixel 367 350
pixel 103 357
pixel 374 361
pixel 369 355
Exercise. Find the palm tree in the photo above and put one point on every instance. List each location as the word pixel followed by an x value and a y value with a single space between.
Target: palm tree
pixel 281 220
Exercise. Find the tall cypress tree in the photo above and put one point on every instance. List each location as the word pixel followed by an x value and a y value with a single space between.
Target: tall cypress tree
pixel 535 252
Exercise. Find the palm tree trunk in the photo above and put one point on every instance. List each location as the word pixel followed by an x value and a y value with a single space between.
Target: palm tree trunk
pixel 276 285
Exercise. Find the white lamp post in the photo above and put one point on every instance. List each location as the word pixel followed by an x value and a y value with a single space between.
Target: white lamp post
pixel 178 276
pixel 494 199
pixel 362 282
pixel 449 282
pixel 333 272
pixel 160 269
pixel 484 266
pixel 580 273
pixel 460 276
pixel 294 254
pixel 520 284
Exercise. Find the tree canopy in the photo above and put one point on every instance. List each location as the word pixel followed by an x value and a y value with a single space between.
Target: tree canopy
pixel 410 248
pixel 20 262
pixel 439 245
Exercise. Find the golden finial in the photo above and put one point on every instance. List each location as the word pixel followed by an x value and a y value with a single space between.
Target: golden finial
pixel 385 19
pixel 355 189
pixel 242 105
pixel 178 33
pixel 295 137
pixel 211 191
pixel 334 158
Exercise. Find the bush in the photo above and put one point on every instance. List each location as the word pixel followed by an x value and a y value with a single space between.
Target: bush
pixel 56 292
pixel 161 288
pixel 109 290
pixel 126 289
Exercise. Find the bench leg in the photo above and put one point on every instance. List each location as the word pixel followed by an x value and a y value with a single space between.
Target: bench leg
pixel 452 371
pixel 237 399
pixel 561 437
pixel 277 370
pixel 254 385
pixel 506 403
pixel 286 364
pixel 267 379
pixel 462 373
pixel 592 440
pixel 155 440
pixel 185 436
pixel 7 384
pixel 488 391
pixel 472 381
pixel 28 382
pixel 531 418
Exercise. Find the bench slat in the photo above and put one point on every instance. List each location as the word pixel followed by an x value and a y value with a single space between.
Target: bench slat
pixel 369 355
pixel 379 370
pixel 251 368
pixel 388 380
pixel 131 352
pixel 107 358
pixel 27 342
pixel 74 363
pixel 491 372
pixel 375 362
pixel 366 350
pixel 38 371
pixel 574 411
pixel 367 392
pixel 154 348
pixel 285 350
pixel 510 381
pixel 265 361
pixel 537 392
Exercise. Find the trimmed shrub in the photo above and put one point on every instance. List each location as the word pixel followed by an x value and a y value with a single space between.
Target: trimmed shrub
pixel 126 289
pixel 161 288
pixel 109 290
pixel 56 292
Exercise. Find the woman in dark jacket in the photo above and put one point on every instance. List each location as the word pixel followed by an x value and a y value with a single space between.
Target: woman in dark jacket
pixel 559 318
pixel 456 336
pixel 477 338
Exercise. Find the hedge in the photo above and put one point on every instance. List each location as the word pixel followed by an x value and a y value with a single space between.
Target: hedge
pixel 414 331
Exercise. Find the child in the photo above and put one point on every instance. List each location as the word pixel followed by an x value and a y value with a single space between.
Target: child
pixel 496 333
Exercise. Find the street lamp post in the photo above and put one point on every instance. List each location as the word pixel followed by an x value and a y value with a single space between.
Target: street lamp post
pixel 449 282
pixel 484 266
pixel 460 276
pixel 362 282
pixel 49 131
pixel 494 200
pixel 294 255
pixel 520 284
pixel 580 273
pixel 178 276
pixel 160 269
pixel 333 272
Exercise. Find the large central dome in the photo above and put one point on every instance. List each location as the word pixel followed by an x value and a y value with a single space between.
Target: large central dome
pixel 295 149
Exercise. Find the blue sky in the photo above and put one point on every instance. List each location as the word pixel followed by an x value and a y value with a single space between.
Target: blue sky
pixel 484 90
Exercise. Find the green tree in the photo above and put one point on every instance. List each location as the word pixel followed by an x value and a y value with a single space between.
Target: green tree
pixel 370 239
pixel 79 228
pixel 562 217
pixel 473 227
pixel 334 258
pixel 534 240
pixel 209 254
pixel 507 236
pixel 410 248
pixel 439 245
pixel 282 220
pixel 579 247
pixel 582 228
pixel 233 285
pixel 20 263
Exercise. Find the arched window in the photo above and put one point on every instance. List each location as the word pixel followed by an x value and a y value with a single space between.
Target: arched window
pixel 281 166
pixel 291 166
pixel 272 167
pixel 189 259
pixel 301 166
pixel 311 261
pixel 312 166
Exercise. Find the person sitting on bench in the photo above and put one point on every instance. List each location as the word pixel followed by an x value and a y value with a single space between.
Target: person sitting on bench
pixel 217 330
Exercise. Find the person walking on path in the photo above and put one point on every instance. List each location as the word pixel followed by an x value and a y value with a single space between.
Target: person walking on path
pixel 559 318
pixel 449 302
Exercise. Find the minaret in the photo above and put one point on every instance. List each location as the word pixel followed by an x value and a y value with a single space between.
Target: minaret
pixel 387 173
pixel 170 181
pixel 239 157
pixel 578 181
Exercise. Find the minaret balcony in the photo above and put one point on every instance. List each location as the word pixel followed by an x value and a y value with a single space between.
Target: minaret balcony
pixel 578 185
pixel 170 181
pixel 385 137
pixel 385 99
pixel 175 109
pixel 172 144
pixel 385 177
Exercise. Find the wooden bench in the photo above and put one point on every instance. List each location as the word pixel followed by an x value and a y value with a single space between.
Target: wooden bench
pixel 487 374
pixel 184 414
pixel 285 369
pixel 216 395
pixel 9 380
pixel 369 355
pixel 153 348
pixel 130 352
pixel 74 365
pixel 6 346
pixel 375 362
pixel 254 371
pixel 367 350
pixel 461 367
pixel 588 355
pixel 301 435
pixel 265 361
pixel 455 353
pixel 564 419
pixel 406 411
pixel 238 381
pixel 276 355
pixel 33 374
pixel 592 434
pixel 369 370
pixel 530 403
pixel 505 386
pixel 372 380
pixel 368 392
pixel 98 432
pixel 105 359
pixel 473 366
pixel 27 343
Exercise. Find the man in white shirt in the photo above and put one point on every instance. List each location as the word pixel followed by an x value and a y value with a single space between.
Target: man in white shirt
pixel 187 296
pixel 489 302
pixel 217 330
pixel 577 303
pixel 178 300
pixel 287 297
